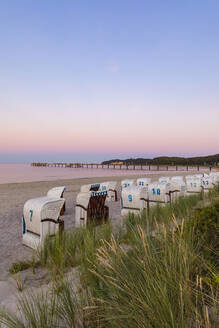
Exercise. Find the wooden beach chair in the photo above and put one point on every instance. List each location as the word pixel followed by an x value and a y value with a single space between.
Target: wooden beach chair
pixel 90 207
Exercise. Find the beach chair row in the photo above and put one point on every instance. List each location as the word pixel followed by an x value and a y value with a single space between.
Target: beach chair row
pixel 41 216
pixel 140 194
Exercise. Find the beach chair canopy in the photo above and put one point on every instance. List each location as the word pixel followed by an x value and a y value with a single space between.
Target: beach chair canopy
pixel 159 192
pixel 164 179
pixel 38 209
pixel 194 183
pixel 177 188
pixel 56 192
pixel 207 182
pixel 215 177
pixel 90 187
pixel 133 197
pixel 200 175
pixel 106 186
pixel 143 182
pixel 177 178
pixel 128 183
pixel 110 187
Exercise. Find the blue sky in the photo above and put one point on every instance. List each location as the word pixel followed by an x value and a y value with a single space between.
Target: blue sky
pixel 99 79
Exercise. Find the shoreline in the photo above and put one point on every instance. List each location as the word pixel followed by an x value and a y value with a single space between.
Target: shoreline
pixel 22 173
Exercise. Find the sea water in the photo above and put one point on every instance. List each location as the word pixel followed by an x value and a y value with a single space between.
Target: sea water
pixel 14 173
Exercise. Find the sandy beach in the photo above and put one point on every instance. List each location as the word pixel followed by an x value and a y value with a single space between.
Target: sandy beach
pixel 14 195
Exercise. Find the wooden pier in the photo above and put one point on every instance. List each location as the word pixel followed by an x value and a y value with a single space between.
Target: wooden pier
pixel 127 167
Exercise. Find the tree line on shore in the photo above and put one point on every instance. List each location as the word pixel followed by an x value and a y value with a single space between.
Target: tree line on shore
pixel 212 160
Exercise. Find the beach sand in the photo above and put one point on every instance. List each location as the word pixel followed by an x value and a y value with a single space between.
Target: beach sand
pixel 12 199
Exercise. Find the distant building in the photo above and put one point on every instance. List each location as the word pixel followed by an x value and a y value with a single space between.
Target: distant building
pixel 117 163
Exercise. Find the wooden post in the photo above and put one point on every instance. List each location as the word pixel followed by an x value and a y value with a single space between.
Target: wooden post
pixel 176 168
pixel 198 168
pixel 149 167
pixel 167 167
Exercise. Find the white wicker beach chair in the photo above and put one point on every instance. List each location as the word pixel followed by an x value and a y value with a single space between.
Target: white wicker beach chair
pixel 110 187
pixel 41 218
pixel 143 182
pixel 159 193
pixel 207 182
pixel 215 177
pixel 133 199
pixel 194 184
pixel 178 185
pixel 128 183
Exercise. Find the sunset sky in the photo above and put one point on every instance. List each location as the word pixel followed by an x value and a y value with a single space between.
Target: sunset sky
pixel 94 80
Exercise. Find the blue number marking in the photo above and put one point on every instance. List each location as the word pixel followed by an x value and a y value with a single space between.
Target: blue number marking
pixel 158 191
pixel 130 198
pixel 153 191
pixel 31 215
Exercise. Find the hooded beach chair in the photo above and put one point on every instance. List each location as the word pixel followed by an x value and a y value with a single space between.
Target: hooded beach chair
pixel 41 217
pixel 90 207
pixel 194 184
pixel 110 187
pixel 207 182
pixel 133 200
pixel 178 186
pixel 159 193
pixel 143 182
pixel 128 183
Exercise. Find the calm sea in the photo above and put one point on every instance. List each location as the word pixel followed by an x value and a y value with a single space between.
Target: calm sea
pixel 10 173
